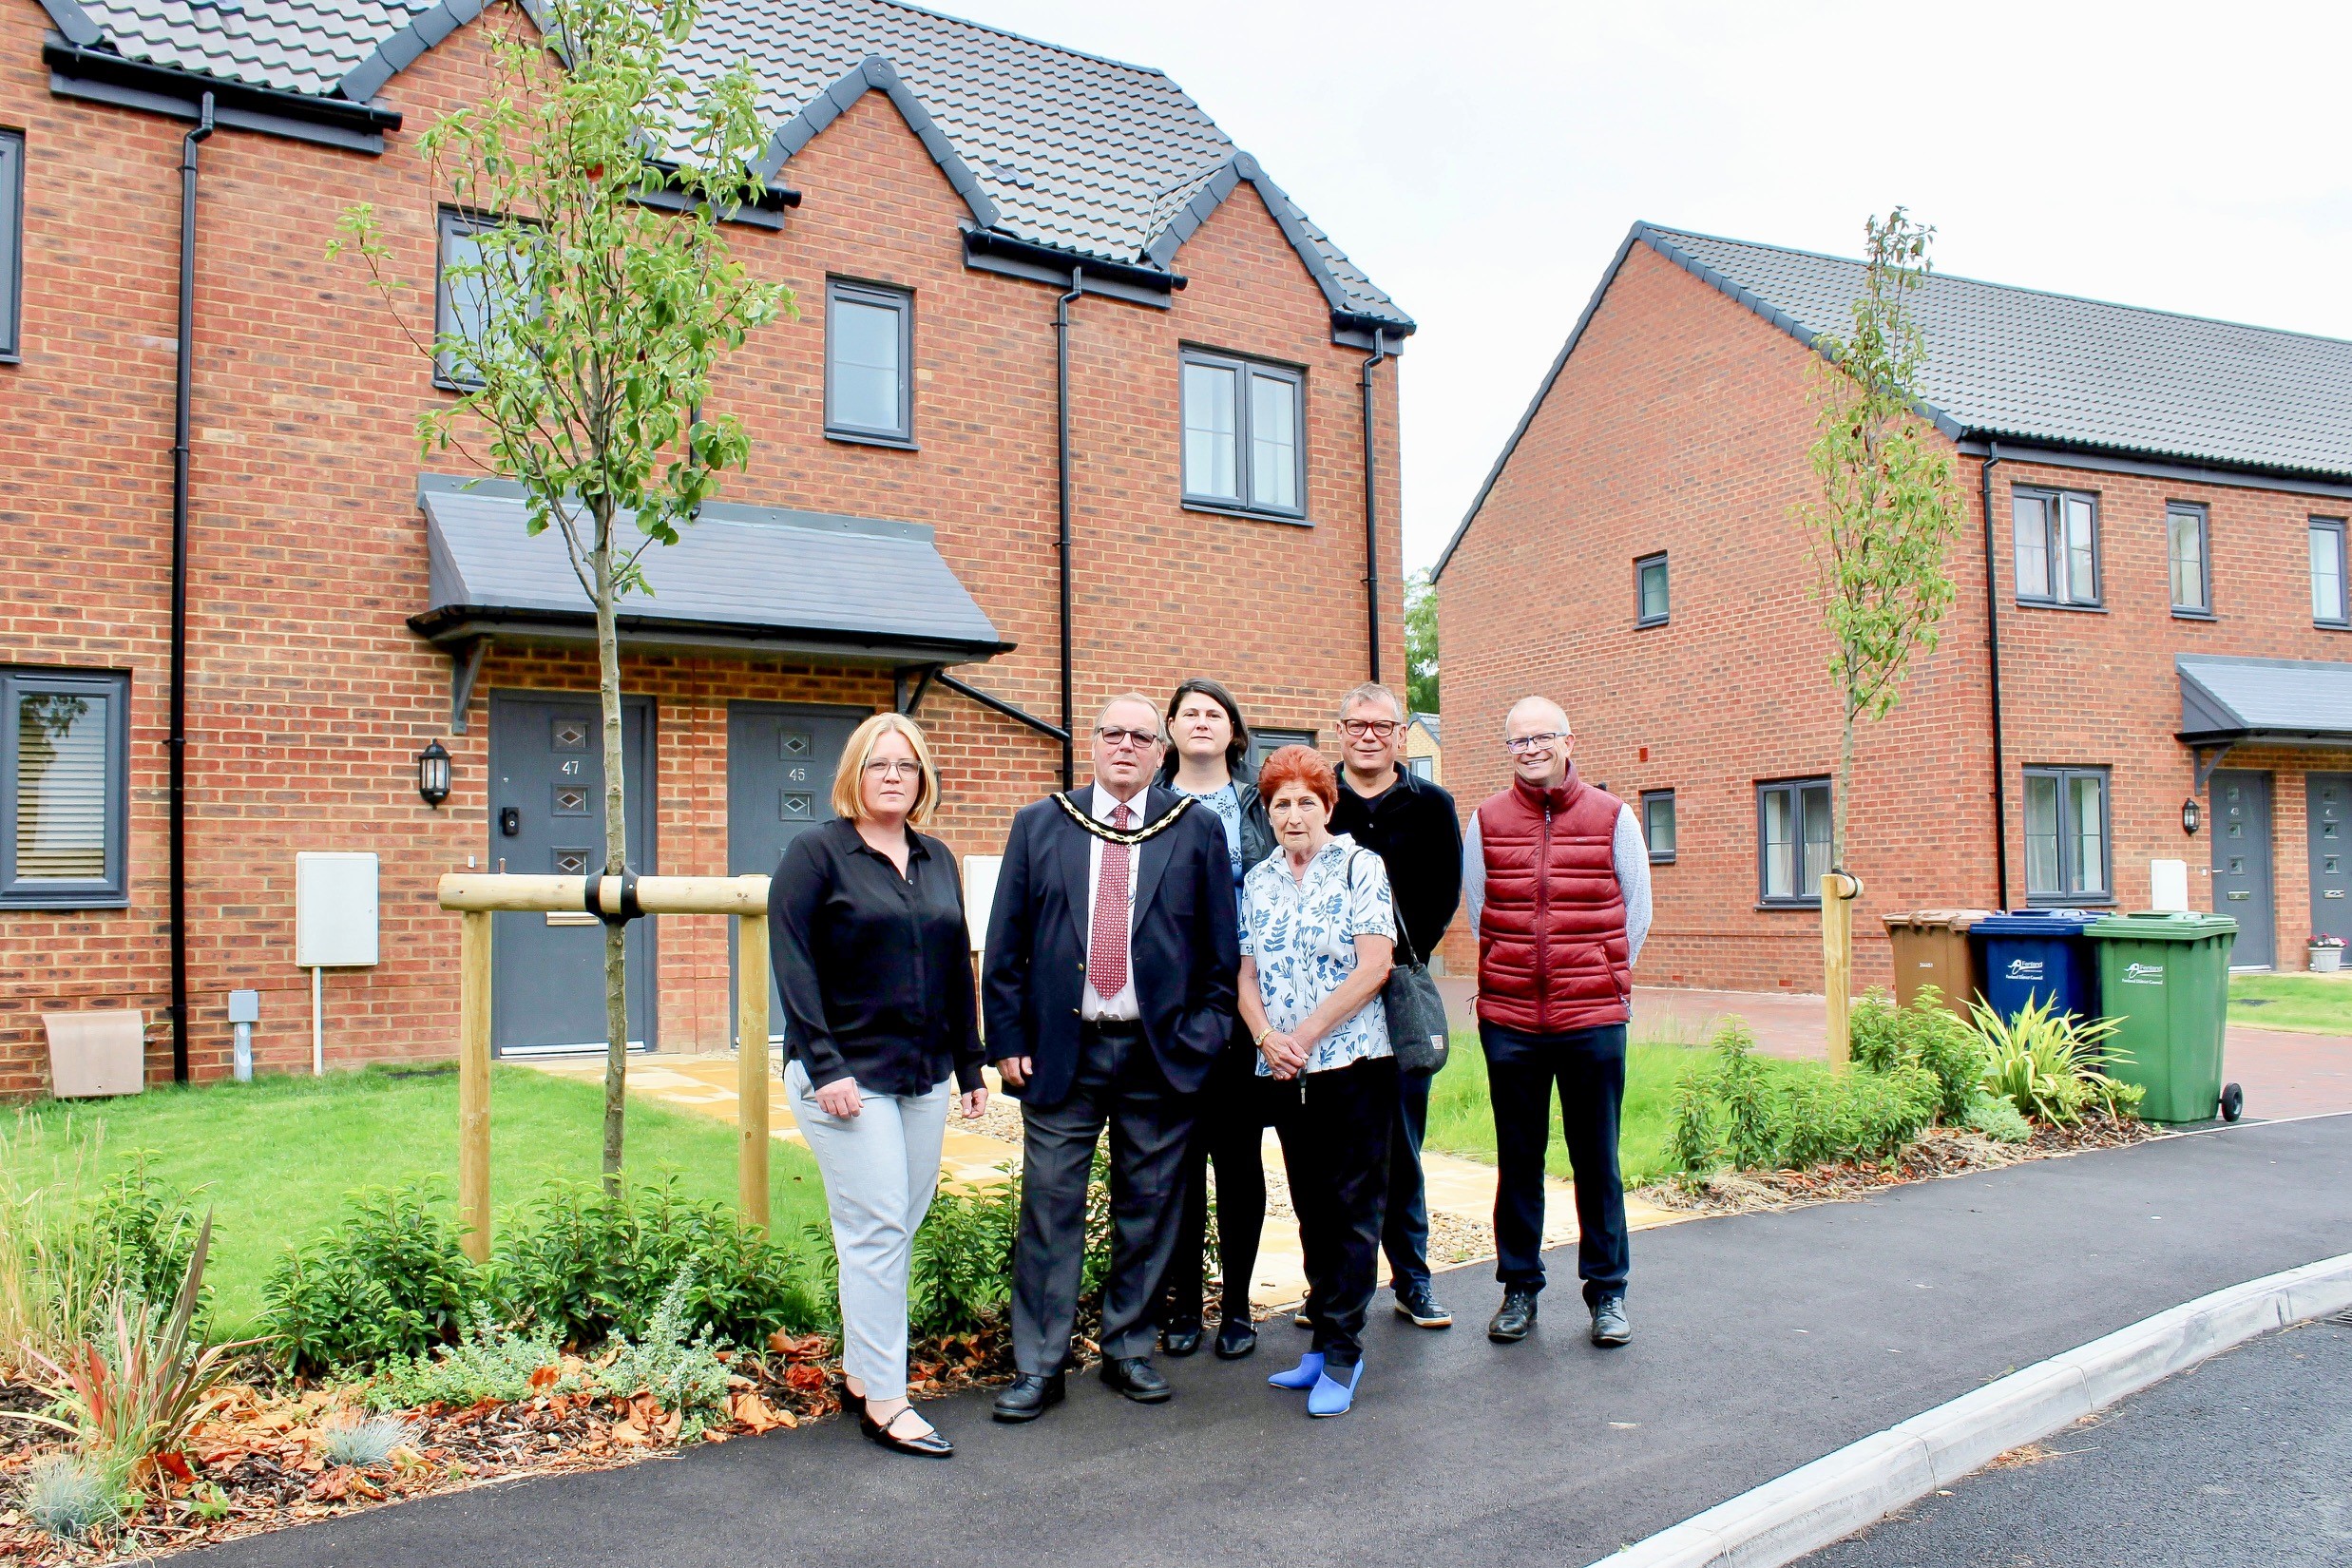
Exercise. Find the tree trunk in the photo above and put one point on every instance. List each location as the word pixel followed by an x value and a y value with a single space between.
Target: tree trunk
pixel 616 850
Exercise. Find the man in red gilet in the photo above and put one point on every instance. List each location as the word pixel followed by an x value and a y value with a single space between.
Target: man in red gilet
pixel 1557 882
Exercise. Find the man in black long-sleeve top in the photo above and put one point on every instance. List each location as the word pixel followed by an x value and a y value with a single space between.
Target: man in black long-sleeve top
pixel 1410 824
pixel 1108 992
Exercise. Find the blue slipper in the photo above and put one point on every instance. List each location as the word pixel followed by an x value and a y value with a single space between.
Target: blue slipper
pixel 1329 1398
pixel 1305 1375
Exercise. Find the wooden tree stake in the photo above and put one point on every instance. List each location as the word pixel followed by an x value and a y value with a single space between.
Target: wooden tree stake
pixel 752 1064
pixel 1838 892
pixel 473 1083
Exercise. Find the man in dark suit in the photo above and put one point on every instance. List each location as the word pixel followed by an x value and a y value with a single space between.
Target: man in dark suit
pixel 1108 993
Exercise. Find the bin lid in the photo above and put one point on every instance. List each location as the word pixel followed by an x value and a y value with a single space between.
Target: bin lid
pixel 1957 920
pixel 2163 925
pixel 2038 922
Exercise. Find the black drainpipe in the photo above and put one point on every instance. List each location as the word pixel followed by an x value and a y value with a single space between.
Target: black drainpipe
pixel 1062 537
pixel 1992 642
pixel 177 746
pixel 1371 504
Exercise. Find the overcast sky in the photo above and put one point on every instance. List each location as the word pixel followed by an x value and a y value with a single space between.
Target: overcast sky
pixel 1482 159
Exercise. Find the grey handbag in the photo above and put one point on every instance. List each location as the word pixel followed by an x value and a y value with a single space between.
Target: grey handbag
pixel 1416 1029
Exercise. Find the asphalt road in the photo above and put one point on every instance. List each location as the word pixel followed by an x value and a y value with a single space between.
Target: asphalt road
pixel 2245 1462
pixel 1763 1342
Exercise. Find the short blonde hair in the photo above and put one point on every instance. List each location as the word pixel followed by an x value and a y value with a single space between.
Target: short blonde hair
pixel 850 801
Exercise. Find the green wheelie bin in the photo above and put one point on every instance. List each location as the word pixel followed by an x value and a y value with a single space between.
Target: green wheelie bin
pixel 2166 979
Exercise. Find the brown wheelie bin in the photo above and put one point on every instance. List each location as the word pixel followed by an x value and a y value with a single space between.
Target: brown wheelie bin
pixel 1932 948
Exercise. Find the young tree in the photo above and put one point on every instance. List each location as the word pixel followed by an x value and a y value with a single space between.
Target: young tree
pixel 1420 643
pixel 595 295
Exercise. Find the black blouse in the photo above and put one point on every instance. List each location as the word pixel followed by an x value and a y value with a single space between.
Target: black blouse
pixel 875 968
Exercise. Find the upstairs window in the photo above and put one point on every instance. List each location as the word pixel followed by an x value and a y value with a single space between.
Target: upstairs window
pixel 2066 847
pixel 1792 841
pixel 868 349
pixel 2328 581
pixel 1650 591
pixel 472 284
pixel 2192 568
pixel 64 743
pixel 12 238
pixel 2058 548
pixel 1658 825
pixel 1245 435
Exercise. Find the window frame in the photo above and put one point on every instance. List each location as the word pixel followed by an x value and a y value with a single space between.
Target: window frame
pixel 12 246
pixel 1657 856
pixel 1795 789
pixel 448 222
pixel 2203 517
pixel 2065 776
pixel 1266 741
pixel 890 296
pixel 2336 526
pixel 113 890
pixel 1641 565
pixel 2054 532
pixel 1245 369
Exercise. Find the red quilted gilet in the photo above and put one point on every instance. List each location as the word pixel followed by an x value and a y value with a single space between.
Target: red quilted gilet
pixel 1552 949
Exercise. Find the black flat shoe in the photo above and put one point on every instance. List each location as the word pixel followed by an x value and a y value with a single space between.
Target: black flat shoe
pixel 1135 1377
pixel 929 1445
pixel 1027 1397
pixel 1181 1341
pixel 850 1404
pixel 1235 1339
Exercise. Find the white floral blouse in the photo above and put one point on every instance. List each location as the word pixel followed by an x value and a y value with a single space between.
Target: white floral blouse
pixel 1303 933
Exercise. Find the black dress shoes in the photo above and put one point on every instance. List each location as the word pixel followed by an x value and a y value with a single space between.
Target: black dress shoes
pixel 1235 1338
pixel 1181 1339
pixel 1135 1377
pixel 929 1445
pixel 1027 1397
pixel 1514 1318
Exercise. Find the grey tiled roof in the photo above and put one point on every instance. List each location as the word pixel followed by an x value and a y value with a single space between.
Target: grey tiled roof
pixel 2225 698
pixel 1064 149
pixel 2017 363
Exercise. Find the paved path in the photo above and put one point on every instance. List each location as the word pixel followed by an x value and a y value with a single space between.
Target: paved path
pixel 2238 1464
pixel 1765 1341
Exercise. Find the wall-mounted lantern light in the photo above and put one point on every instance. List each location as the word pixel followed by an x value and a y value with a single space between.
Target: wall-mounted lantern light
pixel 2190 817
pixel 432 773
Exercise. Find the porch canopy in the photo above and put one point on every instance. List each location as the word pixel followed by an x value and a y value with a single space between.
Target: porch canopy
pixel 2229 701
pixel 751 580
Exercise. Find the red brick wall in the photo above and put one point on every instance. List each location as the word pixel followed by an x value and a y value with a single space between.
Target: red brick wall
pixel 310 696
pixel 1682 424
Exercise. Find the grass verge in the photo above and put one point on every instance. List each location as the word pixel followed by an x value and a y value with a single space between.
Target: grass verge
pixel 274 1157
pixel 2315 1005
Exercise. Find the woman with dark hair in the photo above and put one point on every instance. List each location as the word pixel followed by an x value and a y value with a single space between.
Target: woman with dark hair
pixel 1209 749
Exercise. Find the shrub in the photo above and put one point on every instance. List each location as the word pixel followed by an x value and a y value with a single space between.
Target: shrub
pixel 962 1272
pixel 1997 1120
pixel 391 1281
pixel 2047 1064
pixel 365 1441
pixel 687 1378
pixel 487 1362
pixel 70 1494
pixel 142 1232
pixel 1735 1110
pixel 1922 1035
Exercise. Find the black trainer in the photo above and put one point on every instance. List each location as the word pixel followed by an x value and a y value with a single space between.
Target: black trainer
pixel 1415 1302
pixel 1514 1318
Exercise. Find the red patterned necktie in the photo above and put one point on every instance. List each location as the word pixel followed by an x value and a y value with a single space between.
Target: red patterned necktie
pixel 1106 947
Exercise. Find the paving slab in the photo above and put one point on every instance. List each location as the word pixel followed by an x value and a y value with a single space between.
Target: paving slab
pixel 1764 1341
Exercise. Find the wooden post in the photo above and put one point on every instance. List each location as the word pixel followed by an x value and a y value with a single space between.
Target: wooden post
pixel 1838 892
pixel 750 1082
pixel 473 1083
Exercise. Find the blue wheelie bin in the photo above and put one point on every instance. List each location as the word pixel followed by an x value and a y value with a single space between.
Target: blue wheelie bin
pixel 2031 954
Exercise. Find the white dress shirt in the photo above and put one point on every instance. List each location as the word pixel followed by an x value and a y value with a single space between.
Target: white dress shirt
pixel 1123 1007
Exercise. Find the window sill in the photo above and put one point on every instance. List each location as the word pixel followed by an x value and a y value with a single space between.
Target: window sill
pixel 1642 625
pixel 865 438
pixel 2332 626
pixel 1661 860
pixel 1789 906
pixel 11 358
pixel 462 389
pixel 2060 604
pixel 2179 614
pixel 1296 520
pixel 2064 901
pixel 64 902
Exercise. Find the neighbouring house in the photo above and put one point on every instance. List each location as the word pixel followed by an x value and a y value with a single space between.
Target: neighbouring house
pixel 937 189
pixel 1423 754
pixel 2149 656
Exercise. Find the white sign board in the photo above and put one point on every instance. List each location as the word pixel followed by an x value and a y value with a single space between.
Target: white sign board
pixel 334 911
pixel 2168 886
pixel 980 871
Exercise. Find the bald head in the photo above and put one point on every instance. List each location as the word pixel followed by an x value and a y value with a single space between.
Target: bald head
pixel 1534 713
pixel 1536 731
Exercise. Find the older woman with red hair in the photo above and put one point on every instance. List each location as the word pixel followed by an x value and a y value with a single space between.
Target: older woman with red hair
pixel 1318 932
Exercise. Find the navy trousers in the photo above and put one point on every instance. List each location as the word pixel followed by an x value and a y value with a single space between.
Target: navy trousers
pixel 1588 1067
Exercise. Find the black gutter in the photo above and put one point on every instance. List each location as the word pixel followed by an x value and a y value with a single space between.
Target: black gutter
pixel 1371 504
pixel 993 242
pixel 1062 537
pixel 1991 644
pixel 75 60
pixel 447 622
pixel 176 745
pixel 1371 326
pixel 997 704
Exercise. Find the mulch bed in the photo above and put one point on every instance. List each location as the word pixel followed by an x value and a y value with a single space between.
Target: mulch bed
pixel 1939 1152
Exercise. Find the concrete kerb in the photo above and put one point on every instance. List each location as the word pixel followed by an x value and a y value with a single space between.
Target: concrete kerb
pixel 1842 1492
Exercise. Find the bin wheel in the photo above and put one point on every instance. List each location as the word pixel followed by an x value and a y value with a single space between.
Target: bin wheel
pixel 2232 1102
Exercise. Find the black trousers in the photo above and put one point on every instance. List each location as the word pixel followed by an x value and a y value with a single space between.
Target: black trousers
pixel 1588 1066
pixel 1404 1235
pixel 1236 1109
pixel 1119 1085
pixel 1336 1150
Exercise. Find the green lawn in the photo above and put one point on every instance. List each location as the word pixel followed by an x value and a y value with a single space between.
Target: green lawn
pixel 2306 1004
pixel 275 1157
pixel 1462 1122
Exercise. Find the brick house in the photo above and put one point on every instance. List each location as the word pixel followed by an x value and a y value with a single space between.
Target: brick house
pixel 2163 501
pixel 939 191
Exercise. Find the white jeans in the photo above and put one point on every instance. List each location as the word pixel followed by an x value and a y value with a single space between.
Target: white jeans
pixel 881 1168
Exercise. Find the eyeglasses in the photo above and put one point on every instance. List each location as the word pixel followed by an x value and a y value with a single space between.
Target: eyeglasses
pixel 1113 736
pixel 1358 728
pixel 894 767
pixel 1524 743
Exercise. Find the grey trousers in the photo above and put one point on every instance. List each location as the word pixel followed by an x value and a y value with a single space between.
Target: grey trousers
pixel 1120 1086
pixel 881 1167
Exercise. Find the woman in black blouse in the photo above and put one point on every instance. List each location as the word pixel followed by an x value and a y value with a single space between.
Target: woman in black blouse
pixel 865 927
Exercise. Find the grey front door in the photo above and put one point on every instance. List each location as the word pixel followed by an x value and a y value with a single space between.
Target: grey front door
pixel 2242 863
pixel 2328 799
pixel 780 764
pixel 547 818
